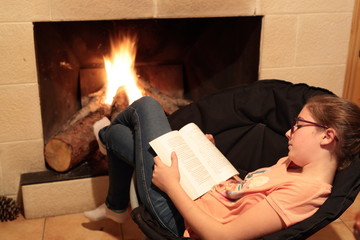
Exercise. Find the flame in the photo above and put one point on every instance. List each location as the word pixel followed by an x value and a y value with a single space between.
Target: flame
pixel 120 68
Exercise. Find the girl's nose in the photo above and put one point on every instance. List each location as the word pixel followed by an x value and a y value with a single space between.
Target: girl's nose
pixel 288 134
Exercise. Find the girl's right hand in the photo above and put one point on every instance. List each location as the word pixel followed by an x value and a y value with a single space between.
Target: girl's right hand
pixel 164 177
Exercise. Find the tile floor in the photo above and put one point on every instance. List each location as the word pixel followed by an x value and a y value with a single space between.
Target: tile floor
pixel 77 227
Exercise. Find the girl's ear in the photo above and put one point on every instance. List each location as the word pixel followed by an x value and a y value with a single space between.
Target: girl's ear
pixel 329 136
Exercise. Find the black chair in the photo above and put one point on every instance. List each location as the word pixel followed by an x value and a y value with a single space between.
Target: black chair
pixel 249 124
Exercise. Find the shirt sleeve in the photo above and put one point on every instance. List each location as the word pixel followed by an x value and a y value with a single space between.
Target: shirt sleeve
pixel 296 201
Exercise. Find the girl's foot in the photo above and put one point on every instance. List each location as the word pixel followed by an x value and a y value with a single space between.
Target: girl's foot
pixel 97 127
pixel 103 212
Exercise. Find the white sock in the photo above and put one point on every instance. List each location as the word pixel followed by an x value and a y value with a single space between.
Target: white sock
pixel 97 127
pixel 103 212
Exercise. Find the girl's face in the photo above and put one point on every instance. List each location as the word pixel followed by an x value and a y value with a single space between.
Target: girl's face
pixel 305 139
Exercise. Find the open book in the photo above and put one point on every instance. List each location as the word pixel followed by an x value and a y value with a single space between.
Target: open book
pixel 201 164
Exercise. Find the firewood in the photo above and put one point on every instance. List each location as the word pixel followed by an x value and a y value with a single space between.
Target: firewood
pixel 76 140
pixel 91 103
pixel 169 104
pixel 119 103
pixel 167 78
pixel 72 145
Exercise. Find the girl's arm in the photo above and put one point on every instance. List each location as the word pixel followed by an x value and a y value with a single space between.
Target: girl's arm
pixel 257 221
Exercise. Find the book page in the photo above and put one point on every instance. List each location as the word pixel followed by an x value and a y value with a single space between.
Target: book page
pixel 212 159
pixel 194 178
pixel 201 164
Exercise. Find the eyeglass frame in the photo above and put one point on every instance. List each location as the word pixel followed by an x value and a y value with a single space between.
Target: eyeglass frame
pixel 295 120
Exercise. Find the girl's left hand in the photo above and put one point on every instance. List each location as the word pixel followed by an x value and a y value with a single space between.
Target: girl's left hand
pixel 164 177
pixel 211 138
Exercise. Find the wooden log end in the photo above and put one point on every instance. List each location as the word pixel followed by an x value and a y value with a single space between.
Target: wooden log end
pixel 58 155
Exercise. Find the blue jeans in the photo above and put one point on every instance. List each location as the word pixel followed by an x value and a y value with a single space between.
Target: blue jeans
pixel 127 142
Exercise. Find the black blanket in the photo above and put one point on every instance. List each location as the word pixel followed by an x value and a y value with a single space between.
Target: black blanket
pixel 249 122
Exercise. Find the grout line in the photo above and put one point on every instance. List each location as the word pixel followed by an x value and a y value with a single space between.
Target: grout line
pixel 347 226
pixel 43 234
pixel 122 232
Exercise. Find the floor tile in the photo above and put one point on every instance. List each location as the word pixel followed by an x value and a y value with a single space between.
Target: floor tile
pixel 131 231
pixel 350 225
pixel 334 231
pixel 76 226
pixel 19 228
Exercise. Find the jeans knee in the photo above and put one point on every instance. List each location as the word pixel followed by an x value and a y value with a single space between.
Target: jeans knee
pixel 148 101
pixel 118 137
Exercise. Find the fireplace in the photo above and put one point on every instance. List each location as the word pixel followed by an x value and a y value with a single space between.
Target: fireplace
pixel 198 56
pixel 297 44
pixel 184 58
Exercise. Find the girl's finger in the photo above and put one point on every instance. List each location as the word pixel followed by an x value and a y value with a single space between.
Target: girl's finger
pixel 174 159
pixel 157 161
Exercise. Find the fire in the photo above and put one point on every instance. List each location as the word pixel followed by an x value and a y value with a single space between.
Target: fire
pixel 120 68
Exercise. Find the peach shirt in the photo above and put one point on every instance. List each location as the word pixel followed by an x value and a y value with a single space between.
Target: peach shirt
pixel 291 196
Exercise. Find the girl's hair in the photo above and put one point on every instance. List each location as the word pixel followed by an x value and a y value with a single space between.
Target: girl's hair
pixel 343 116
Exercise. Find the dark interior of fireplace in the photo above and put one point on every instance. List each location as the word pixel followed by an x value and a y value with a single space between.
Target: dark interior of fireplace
pixel 198 56
pixel 184 58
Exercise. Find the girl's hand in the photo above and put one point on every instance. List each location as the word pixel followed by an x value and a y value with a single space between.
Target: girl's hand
pixel 211 138
pixel 164 177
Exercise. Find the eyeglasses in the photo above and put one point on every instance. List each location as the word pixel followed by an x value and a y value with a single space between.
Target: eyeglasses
pixel 295 126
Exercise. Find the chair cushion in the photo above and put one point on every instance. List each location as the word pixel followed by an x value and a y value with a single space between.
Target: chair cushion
pixel 249 123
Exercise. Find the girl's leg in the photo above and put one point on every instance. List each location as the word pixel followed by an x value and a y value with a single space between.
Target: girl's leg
pixel 119 147
pixel 127 140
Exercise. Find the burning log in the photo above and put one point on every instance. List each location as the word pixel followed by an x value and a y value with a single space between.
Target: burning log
pixel 169 104
pixel 76 140
pixel 120 102
pixel 90 103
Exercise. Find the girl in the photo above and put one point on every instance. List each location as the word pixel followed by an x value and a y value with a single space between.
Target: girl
pixel 323 138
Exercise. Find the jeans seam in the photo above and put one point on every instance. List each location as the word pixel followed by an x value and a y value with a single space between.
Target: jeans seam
pixel 144 177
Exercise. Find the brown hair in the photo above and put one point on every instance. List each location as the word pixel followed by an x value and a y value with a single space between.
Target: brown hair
pixel 344 117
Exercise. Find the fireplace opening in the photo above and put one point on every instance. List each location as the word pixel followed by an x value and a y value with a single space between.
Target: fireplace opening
pixel 183 58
